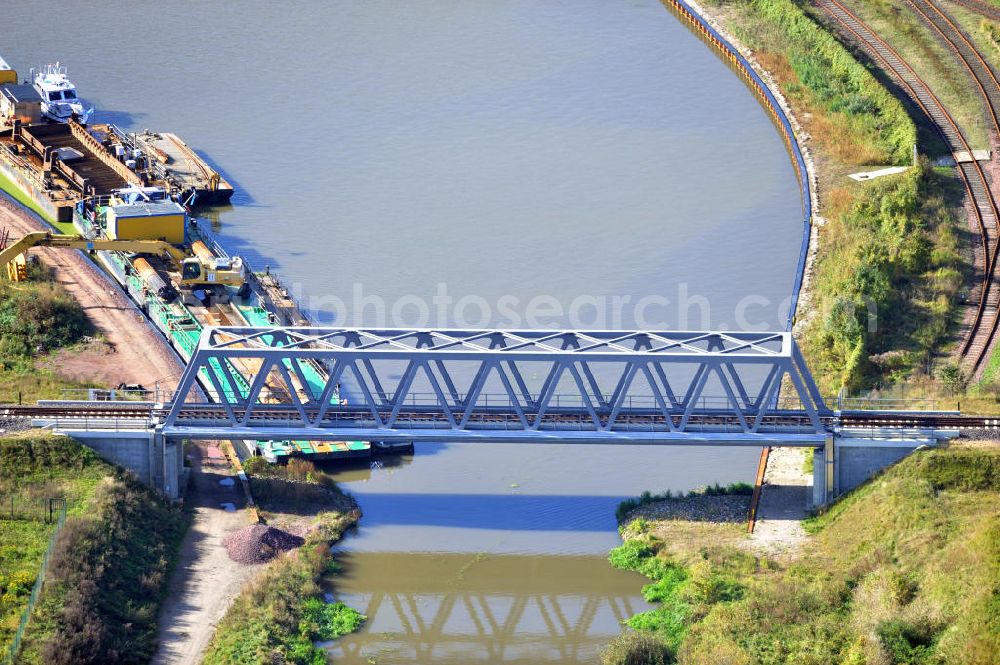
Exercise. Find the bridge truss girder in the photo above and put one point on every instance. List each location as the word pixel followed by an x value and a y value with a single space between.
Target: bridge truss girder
pixel 590 386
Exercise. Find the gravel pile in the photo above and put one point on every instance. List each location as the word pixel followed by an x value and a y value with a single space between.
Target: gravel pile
pixel 259 543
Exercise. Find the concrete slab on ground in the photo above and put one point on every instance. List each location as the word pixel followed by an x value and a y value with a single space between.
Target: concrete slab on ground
pixel 963 157
pixel 782 504
pixel 871 175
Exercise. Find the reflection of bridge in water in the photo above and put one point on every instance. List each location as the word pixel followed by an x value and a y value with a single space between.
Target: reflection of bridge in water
pixel 556 609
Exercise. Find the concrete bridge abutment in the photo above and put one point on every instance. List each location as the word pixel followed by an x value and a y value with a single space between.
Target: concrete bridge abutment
pixel 156 460
pixel 846 461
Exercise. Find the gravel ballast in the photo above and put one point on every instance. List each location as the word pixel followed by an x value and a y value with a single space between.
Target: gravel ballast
pixel 259 543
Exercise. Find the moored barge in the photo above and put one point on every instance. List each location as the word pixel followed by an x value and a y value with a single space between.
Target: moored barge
pixel 114 185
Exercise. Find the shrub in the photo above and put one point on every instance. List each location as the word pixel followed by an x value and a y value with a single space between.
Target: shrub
pixel 23 456
pixel 962 470
pixel 631 554
pixel 908 643
pixel 39 316
pixel 732 489
pixel 256 466
pixel 637 648
pixel 20 583
pixel 646 498
pixel 953 378
pixel 328 621
pixel 106 579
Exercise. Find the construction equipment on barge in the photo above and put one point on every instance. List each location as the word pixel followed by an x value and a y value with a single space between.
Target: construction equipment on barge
pixel 59 164
pixel 195 272
pixel 129 194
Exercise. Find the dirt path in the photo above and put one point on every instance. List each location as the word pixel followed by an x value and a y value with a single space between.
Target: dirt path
pixel 135 352
pixel 206 581
pixel 782 504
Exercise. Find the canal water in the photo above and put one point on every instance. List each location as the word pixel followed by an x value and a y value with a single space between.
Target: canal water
pixel 513 163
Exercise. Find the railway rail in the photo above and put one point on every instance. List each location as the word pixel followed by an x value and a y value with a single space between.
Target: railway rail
pixel 281 413
pixel 981 8
pixel 961 45
pixel 979 336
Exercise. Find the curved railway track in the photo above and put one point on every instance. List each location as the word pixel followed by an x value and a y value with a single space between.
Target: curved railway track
pixel 981 8
pixel 979 335
pixel 961 45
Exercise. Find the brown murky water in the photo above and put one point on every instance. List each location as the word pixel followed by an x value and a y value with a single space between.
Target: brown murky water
pixel 460 608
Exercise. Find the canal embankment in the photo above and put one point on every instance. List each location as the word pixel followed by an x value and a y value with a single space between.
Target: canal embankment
pixel 108 568
pixel 849 320
pixel 282 611
pixel 889 264
pixel 903 569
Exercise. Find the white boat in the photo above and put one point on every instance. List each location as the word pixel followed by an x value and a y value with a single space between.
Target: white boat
pixel 59 98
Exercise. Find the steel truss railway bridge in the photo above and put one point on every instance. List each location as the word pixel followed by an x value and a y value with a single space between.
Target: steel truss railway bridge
pixel 497 385
pixel 511 386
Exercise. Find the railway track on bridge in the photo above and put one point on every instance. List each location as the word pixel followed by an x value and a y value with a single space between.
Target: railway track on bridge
pixel 284 413
pixel 979 335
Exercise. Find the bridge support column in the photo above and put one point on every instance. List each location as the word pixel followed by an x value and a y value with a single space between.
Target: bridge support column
pixel 830 467
pixel 157 459
pixel 169 461
pixel 825 476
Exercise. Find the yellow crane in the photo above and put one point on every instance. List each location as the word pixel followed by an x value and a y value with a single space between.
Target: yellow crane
pixel 195 272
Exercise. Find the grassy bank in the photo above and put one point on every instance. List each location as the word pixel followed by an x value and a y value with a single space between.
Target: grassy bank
pixel 889 268
pixel 281 613
pixel 847 112
pixel 906 569
pixel 36 318
pixel 108 571
pixel 32 471
pixel 887 280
